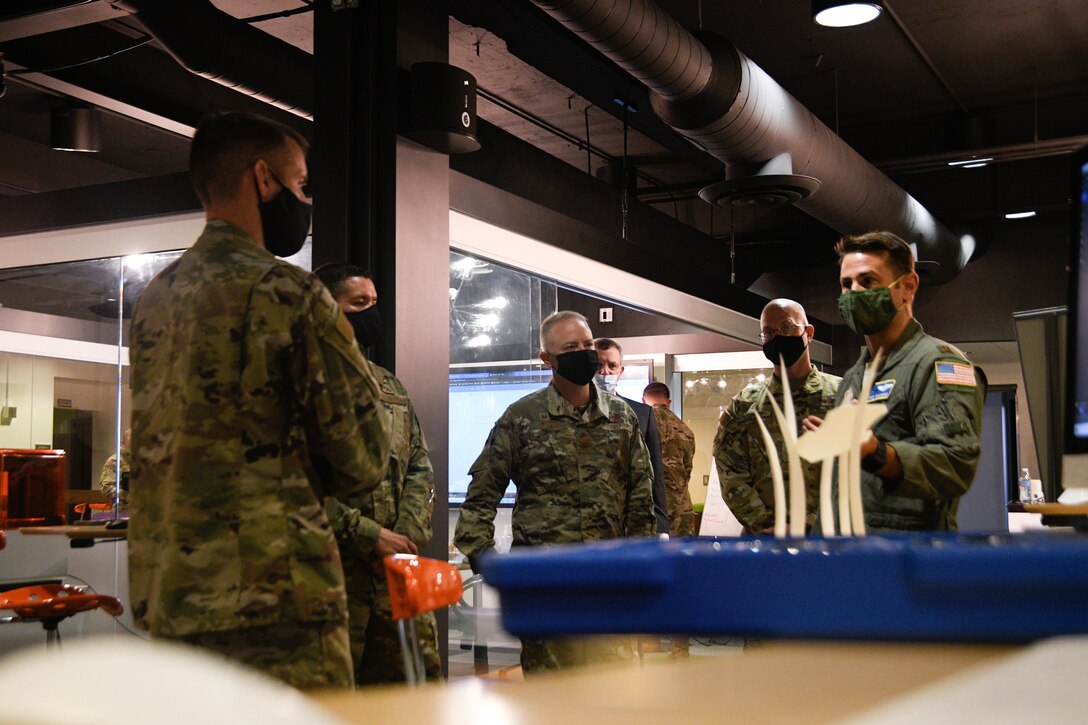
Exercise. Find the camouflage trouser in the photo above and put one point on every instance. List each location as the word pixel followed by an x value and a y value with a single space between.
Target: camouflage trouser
pixel 375 646
pixel 681 513
pixel 541 655
pixel 306 655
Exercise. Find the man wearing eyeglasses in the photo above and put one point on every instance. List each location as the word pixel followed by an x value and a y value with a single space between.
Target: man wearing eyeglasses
pixel 744 469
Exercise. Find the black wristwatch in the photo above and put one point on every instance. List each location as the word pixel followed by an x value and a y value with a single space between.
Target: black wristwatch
pixel 875 460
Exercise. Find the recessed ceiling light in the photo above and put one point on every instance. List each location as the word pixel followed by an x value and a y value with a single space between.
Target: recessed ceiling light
pixel 971 163
pixel 844 13
pixel 1020 215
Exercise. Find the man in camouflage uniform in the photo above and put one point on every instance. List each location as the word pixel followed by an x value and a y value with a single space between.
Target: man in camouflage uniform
pixel 107 480
pixel 677 452
pixel 394 518
pixel 581 469
pixel 921 457
pixel 744 470
pixel 251 403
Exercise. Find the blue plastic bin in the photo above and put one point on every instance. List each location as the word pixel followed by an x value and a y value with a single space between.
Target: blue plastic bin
pixel 997 588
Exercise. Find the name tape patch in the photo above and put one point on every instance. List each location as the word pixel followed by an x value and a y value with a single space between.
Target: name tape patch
pixel 881 390
pixel 952 373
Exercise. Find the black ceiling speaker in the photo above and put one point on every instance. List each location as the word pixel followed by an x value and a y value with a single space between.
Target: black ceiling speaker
pixel 75 129
pixel 443 108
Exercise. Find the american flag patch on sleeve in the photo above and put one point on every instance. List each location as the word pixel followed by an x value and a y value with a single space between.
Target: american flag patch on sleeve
pixel 951 373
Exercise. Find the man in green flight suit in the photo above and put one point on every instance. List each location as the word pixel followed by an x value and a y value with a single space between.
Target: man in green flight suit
pixel 921 457
pixel 744 470
pixel 394 518
pixel 251 403
pixel 581 469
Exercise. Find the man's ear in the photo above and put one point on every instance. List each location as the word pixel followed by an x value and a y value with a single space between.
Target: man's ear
pixel 810 332
pixel 262 179
pixel 544 357
pixel 910 284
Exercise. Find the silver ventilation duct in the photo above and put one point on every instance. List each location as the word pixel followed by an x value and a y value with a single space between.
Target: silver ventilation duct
pixel 210 43
pixel 709 92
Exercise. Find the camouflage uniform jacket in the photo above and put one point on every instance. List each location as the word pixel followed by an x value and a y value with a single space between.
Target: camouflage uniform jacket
pixel 744 470
pixel 580 476
pixel 677 452
pixel 934 421
pixel 251 403
pixel 107 480
pixel 404 500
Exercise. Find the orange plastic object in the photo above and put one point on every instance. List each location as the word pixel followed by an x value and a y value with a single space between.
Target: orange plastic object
pixel 418 585
pixel 81 508
pixel 56 601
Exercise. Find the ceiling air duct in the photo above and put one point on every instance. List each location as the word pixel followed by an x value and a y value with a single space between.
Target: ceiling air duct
pixel 712 94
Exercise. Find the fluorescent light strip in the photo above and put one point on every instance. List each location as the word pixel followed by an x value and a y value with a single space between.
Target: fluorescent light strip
pixel 979 165
pixel 1020 215
pixel 965 162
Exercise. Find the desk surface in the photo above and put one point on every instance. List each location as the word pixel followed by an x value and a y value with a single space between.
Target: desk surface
pixel 97 531
pixel 773 682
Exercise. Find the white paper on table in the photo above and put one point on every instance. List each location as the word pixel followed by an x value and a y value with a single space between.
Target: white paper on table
pixel 717 519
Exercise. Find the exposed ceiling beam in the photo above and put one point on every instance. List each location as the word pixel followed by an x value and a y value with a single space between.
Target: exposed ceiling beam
pixel 77 13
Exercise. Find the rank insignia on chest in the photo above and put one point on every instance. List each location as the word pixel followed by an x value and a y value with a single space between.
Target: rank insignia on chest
pixel 952 373
pixel 881 390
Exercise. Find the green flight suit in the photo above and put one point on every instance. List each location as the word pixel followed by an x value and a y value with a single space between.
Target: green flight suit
pixel 581 475
pixel 403 503
pixel 934 421
pixel 744 470
pixel 250 404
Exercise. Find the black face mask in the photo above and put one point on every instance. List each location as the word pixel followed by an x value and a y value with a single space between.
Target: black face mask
pixel 285 221
pixel 789 349
pixel 577 366
pixel 367 325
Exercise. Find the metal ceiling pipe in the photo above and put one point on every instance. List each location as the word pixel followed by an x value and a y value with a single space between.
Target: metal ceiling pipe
pixel 210 43
pixel 711 93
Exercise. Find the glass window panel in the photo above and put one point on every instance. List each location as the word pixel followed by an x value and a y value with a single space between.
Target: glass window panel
pixel 63 351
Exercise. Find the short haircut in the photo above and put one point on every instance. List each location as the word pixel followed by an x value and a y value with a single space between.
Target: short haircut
pixel 657 390
pixel 226 144
pixel 894 249
pixel 554 319
pixel 333 274
pixel 607 343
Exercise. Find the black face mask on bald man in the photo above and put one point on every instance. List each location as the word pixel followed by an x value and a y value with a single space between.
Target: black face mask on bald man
pixel 789 349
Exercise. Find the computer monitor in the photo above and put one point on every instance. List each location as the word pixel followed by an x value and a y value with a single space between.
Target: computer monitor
pixel 478 396
pixel 1075 455
pixel 1041 337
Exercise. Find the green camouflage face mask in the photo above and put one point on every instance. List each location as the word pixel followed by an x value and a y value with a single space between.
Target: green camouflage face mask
pixel 868 311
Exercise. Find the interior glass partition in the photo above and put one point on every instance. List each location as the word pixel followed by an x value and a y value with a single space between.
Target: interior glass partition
pixel 495 316
pixel 64 360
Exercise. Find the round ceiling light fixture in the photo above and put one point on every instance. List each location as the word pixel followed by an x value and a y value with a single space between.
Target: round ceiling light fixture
pixel 844 13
